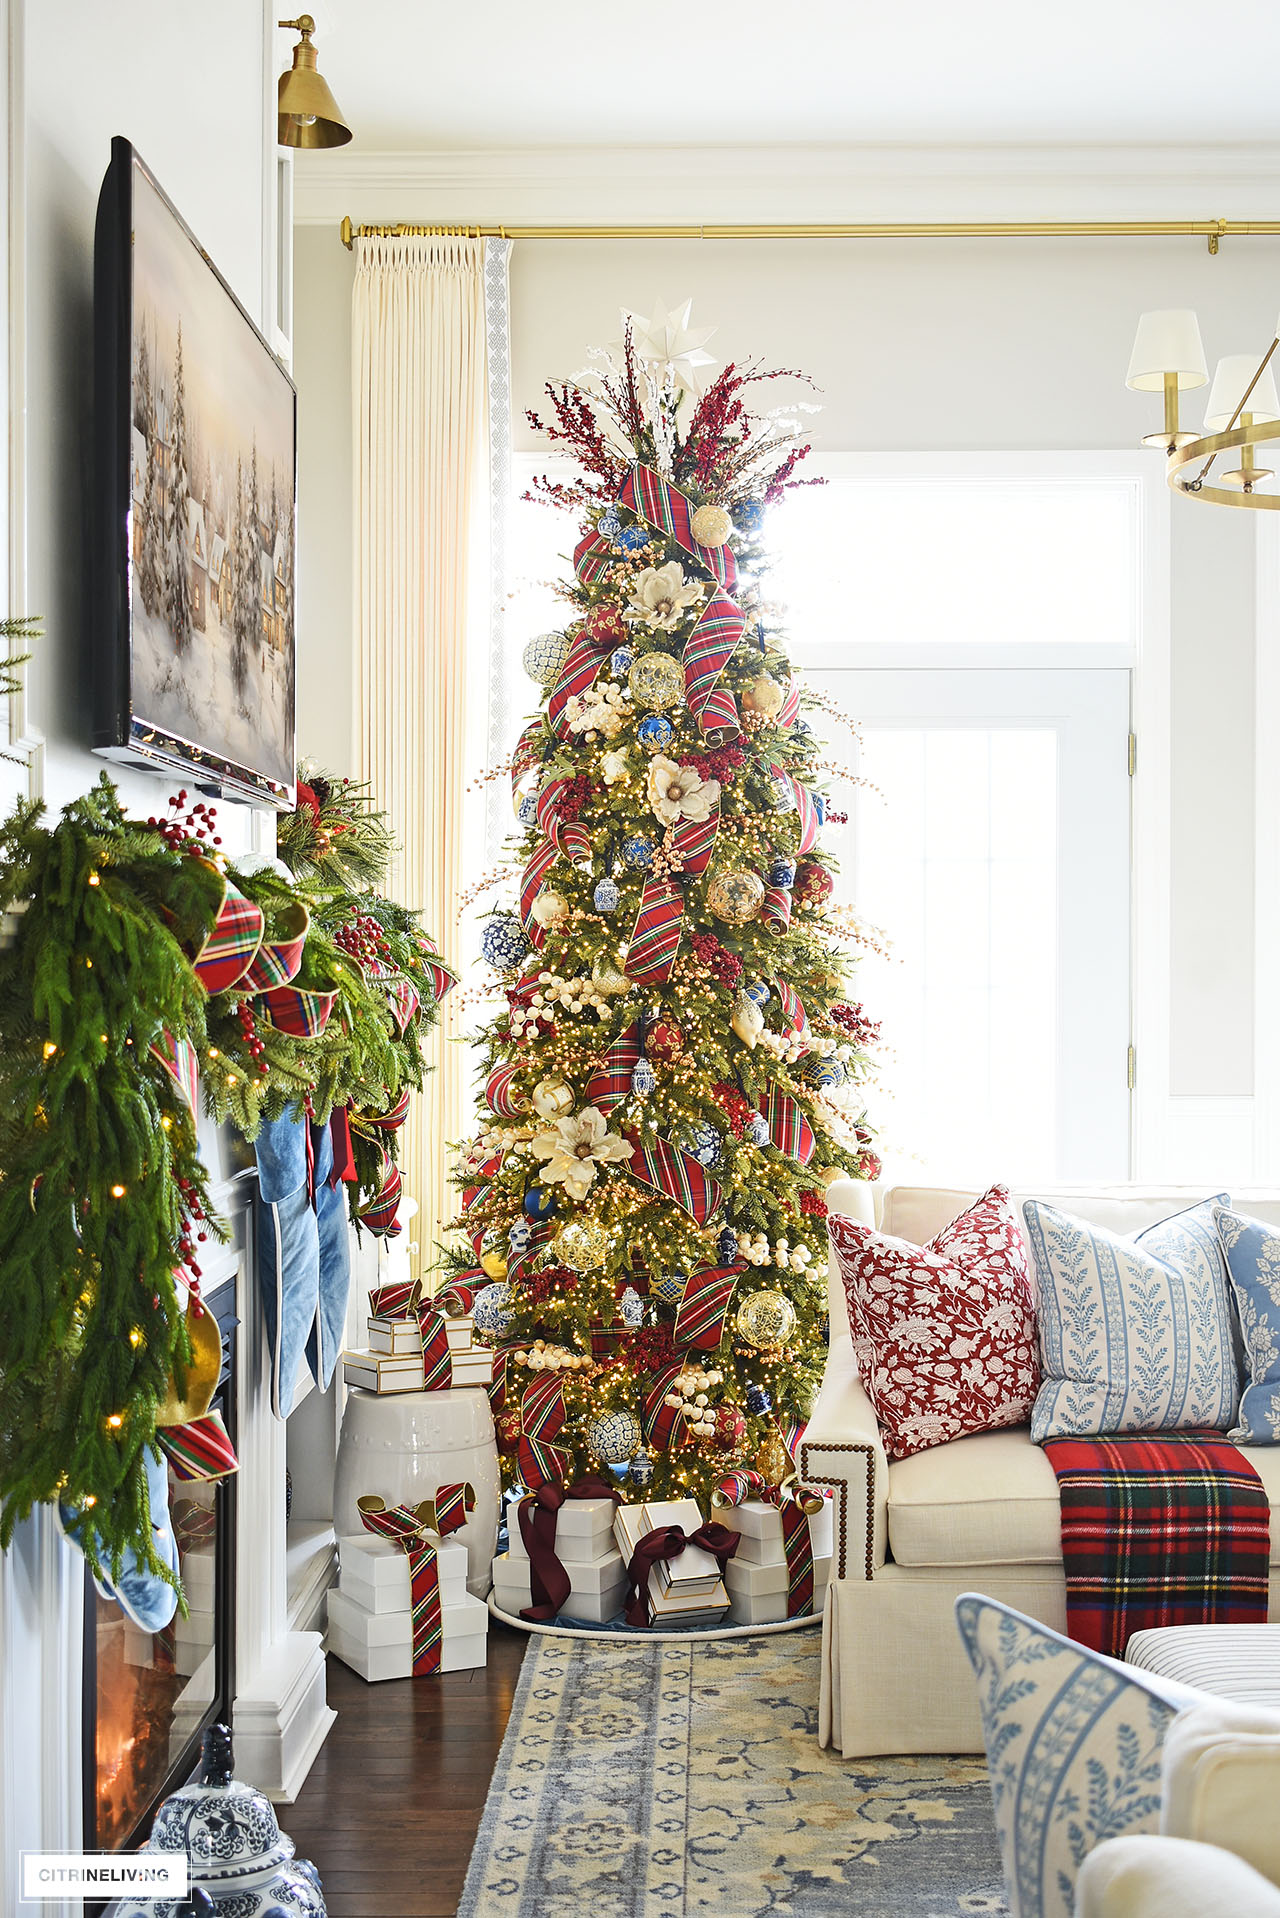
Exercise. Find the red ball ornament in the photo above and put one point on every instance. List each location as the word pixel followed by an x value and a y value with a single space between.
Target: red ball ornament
pixel 507 1432
pixel 731 1428
pixel 814 885
pixel 665 1042
pixel 605 625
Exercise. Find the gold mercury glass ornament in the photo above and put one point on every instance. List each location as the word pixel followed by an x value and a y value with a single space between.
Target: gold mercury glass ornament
pixel 582 1244
pixel 735 897
pixel 711 526
pixel 763 695
pixel 656 682
pixel 773 1461
pixel 766 1318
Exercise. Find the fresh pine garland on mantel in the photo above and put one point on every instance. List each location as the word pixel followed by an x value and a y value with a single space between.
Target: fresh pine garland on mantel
pixel 103 1019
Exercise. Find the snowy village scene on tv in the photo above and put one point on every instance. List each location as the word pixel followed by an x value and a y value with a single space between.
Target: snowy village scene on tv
pixel 211 519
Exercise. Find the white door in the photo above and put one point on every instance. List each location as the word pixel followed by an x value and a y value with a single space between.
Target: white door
pixel 988 837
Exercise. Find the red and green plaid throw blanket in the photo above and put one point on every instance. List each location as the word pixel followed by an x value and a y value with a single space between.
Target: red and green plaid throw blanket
pixel 1167 1530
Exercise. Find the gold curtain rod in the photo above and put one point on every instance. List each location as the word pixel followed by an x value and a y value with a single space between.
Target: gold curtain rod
pixel 1212 230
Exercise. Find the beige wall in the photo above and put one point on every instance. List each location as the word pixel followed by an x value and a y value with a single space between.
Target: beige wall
pixel 929 345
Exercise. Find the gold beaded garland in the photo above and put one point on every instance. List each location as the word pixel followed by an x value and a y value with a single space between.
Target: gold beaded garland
pixel 711 526
pixel 766 1318
pixel 735 897
pixel 656 682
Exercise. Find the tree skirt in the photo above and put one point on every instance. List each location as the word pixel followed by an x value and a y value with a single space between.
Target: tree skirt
pixel 617 1627
pixel 663 1779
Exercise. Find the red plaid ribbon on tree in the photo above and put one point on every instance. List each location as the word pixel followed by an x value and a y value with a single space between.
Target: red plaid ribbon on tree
pixel 708 650
pixel 527 754
pixel 792 1004
pixel 655 940
pixel 704 1306
pixel 542 1415
pixel 611 1079
pixel 791 705
pixel 518 1263
pixel 670 1170
pixel 651 498
pixel 566 835
pixel 693 842
pixel 789 1130
pixel 178 1057
pixel 577 675
pixel 531 885
pixel 592 556
pixel 664 1426
pixel 775 910
pixel 1160 1530
pixel 500 1091
pixel 472 1194
pixel 804 806
pixel 408 1526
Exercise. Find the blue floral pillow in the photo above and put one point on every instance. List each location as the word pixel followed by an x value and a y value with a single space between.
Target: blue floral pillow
pixel 1135 1334
pixel 1074 1746
pixel 1253 1267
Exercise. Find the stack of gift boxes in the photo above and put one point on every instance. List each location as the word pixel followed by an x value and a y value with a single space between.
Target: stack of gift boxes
pixel 585 1547
pixel 370 1616
pixel 393 1360
pixel 757 1575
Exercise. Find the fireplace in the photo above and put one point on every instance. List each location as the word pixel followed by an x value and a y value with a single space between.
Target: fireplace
pixel 148 1696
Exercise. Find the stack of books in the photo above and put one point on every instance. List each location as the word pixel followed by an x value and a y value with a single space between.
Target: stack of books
pixel 687 1590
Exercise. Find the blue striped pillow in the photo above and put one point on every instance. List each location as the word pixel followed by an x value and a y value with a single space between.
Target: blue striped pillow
pixel 1135 1334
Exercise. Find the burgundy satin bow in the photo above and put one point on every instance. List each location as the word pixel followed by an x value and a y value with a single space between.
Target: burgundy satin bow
pixel 666 1543
pixel 549 1583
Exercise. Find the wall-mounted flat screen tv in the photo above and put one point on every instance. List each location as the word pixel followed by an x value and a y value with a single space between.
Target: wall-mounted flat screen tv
pixel 196 425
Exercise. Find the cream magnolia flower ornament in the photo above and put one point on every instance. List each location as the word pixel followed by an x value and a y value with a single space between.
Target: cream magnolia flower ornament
pixel 600 712
pixel 614 767
pixel 575 1146
pixel 677 792
pixel 666 340
pixel 660 595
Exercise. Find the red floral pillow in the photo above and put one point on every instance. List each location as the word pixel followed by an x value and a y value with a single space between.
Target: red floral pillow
pixel 944 1333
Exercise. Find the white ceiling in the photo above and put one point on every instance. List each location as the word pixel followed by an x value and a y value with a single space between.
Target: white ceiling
pixel 423 75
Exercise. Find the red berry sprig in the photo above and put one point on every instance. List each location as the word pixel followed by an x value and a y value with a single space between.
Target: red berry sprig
pixel 252 1037
pixel 364 940
pixel 188 831
pixel 738 1110
pixel 724 966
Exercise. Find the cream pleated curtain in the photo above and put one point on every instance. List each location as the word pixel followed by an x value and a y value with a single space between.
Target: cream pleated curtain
pixel 420 441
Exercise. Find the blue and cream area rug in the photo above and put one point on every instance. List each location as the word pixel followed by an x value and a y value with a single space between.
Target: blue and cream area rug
pixel 662 1780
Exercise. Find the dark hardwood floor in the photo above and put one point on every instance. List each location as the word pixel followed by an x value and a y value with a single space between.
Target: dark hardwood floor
pixel 392 1806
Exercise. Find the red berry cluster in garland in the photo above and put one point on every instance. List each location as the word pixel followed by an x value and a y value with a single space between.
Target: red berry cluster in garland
pixel 252 1037
pixel 812 1204
pixel 854 1023
pixel 196 1217
pixel 724 966
pixel 723 763
pixel 364 940
pixel 737 1110
pixel 191 831
pixel 648 1348
pixel 539 1286
pixel 575 796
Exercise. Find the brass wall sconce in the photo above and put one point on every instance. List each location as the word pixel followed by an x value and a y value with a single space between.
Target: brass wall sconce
pixel 309 114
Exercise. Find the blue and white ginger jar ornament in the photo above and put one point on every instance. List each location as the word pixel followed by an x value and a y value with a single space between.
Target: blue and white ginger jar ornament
pixel 758 1129
pixel 614 1437
pixel 782 873
pixel 643 1078
pixel 544 657
pixel 527 811
pixel 641 1470
pixel 621 660
pixel 727 1245
pixel 783 796
pixel 758 1402
pixel 609 525
pixel 655 731
pixel 637 852
pixel 631 1308
pixel 706 1143
pixel 520 1236
pixel 504 941
pixel 492 1310
pixel 606 896
pixel 236 1851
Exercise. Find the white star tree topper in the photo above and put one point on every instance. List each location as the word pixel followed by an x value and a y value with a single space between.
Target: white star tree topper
pixel 665 342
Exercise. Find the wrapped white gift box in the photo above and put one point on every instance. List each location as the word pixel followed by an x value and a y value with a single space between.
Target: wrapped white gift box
pixel 584 1531
pixel 382 1373
pixel 196 1569
pixel 759 1529
pixel 402 1338
pixel 379 1645
pixel 596 1588
pixel 758 1593
pixel 374 1572
pixel 695 1573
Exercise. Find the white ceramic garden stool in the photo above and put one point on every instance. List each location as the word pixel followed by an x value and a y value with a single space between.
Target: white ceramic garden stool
pixel 404 1445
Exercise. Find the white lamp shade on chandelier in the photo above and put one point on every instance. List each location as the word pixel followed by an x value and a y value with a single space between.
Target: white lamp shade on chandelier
pixel 1230 383
pixel 1167 341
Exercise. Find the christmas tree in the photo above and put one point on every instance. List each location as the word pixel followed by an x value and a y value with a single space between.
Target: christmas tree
pixel 675 1076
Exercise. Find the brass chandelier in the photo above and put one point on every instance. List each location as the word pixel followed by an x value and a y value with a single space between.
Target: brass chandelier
pixel 1243 410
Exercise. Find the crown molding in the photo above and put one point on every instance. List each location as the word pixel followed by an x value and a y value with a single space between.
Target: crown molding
pixel 625 185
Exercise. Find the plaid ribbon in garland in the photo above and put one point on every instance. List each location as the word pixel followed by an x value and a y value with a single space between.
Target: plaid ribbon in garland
pixel 443 980
pixel 299 1012
pixel 676 1173
pixel 379 1214
pixel 663 506
pixel 277 962
pixel 527 754
pixel 201 1449
pixel 407 1527
pixel 393 1118
pixel 611 1079
pixel 655 940
pixel 233 941
pixel 704 1306
pixel 178 1057
pixel 542 1415
pixel 789 1130
pixel 775 910
pixel 500 1091
pixel 437 1365
pixel 405 1000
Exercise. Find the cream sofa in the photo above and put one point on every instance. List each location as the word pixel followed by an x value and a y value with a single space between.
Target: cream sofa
pixel 980 1514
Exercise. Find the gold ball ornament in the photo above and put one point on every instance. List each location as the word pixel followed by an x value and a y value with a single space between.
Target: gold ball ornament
pixel 711 526
pixel 764 696
pixel 549 908
pixel 609 976
pixel 494 1264
pixel 827 1173
pixel 735 897
pixel 582 1245
pixel 552 1098
pixel 656 682
pixel 765 1319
